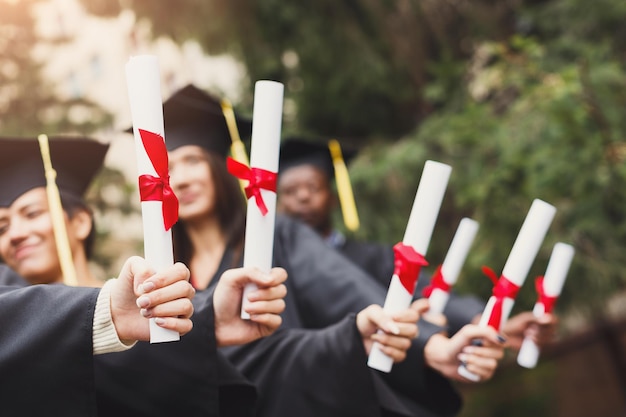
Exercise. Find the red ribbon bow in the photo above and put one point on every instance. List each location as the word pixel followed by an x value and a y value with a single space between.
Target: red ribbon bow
pixel 547 301
pixel 502 288
pixel 407 265
pixel 438 282
pixel 158 188
pixel 257 179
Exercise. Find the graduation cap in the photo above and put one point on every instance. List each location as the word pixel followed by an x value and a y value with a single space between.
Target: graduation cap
pixel 331 160
pixel 193 117
pixel 63 163
pixel 76 160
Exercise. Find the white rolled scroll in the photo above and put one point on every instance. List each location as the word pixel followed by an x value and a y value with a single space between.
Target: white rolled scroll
pixel 146 106
pixel 430 191
pixel 453 262
pixel 266 126
pixel 518 263
pixel 553 282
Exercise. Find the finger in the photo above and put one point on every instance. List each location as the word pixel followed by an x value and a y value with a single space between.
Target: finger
pixel 483 367
pixel 182 307
pixel 179 289
pixel 486 333
pixel 407 315
pixel 395 354
pixel 266 307
pixel 182 326
pixel 267 294
pixel 175 273
pixel 395 342
pixel 137 270
pixel 421 305
pixel 269 321
pixel 496 352
pixel 376 315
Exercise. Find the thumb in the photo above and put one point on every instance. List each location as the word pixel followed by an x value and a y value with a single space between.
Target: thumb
pixel 421 305
pixel 135 271
pixel 377 317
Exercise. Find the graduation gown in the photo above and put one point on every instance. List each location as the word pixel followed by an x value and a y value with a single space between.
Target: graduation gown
pixel 316 364
pixel 46 351
pixel 185 378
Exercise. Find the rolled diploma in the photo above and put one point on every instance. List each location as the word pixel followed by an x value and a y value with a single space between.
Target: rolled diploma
pixel 452 264
pixel 520 259
pixel 144 93
pixel 266 126
pixel 426 205
pixel 553 281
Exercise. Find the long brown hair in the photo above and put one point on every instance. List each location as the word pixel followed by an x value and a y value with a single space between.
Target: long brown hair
pixel 230 208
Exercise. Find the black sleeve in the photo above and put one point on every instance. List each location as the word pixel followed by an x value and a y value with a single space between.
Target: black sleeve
pixel 164 379
pixel 46 351
pixel 304 372
pixel 10 277
pixel 327 287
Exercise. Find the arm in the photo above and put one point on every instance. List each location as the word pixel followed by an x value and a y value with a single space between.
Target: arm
pixel 45 331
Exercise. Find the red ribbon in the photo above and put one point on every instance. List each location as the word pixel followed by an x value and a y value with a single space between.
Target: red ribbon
pixel 547 301
pixel 407 265
pixel 438 282
pixel 502 288
pixel 257 179
pixel 158 188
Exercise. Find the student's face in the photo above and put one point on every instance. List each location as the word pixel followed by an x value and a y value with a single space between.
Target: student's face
pixel 27 238
pixel 191 180
pixel 304 193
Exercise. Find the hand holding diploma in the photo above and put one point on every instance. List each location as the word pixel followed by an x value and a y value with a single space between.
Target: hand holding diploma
pixel 515 270
pixel 410 253
pixel 261 177
pixel 398 329
pixel 264 305
pixel 548 290
pixel 164 297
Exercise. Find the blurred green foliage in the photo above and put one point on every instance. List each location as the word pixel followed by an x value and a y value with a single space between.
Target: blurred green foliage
pixel 524 99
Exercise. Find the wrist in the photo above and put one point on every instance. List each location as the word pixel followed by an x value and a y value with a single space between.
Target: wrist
pixel 434 351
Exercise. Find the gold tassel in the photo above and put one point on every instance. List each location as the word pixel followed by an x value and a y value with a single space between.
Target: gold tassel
pixel 57 216
pixel 237 148
pixel 344 188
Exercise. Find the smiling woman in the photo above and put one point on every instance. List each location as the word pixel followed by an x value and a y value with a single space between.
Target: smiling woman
pixel 27 241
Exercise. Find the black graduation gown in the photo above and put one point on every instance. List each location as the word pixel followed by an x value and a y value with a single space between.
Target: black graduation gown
pixel 46 351
pixel 185 378
pixel 316 364
pixel 10 277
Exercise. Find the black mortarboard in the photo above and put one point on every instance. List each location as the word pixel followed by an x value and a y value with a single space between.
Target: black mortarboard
pixel 295 151
pixel 193 117
pixel 75 159
pixel 330 159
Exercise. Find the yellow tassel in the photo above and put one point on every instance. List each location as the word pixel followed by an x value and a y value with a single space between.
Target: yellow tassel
pixel 237 148
pixel 57 216
pixel 344 188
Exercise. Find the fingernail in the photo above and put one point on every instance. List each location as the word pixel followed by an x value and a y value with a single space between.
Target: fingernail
pixel 393 328
pixel 143 301
pixel 464 364
pixel 501 339
pixel 146 287
pixel 463 358
pixel 145 312
pixel 160 321
pixel 477 342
